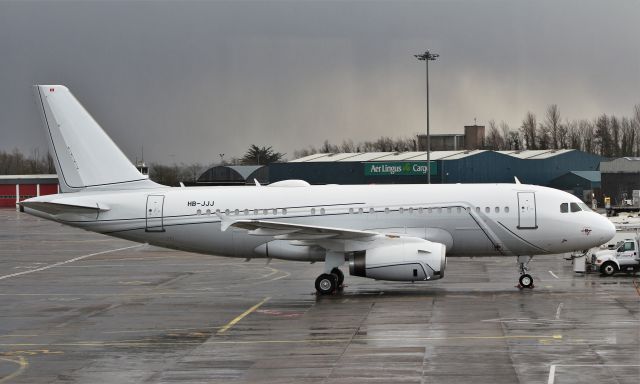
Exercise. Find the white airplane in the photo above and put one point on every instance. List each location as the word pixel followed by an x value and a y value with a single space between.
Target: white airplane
pixel 384 232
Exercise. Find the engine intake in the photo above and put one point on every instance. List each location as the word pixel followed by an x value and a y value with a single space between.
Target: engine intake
pixel 404 259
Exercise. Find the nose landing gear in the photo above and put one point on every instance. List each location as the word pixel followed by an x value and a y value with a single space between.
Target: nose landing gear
pixel 525 280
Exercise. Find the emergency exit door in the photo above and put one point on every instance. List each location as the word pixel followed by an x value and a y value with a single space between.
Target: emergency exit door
pixel 527 210
pixel 155 205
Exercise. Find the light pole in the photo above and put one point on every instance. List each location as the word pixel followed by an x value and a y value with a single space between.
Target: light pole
pixel 426 57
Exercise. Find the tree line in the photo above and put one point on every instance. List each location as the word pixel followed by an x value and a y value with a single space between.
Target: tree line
pixel 605 135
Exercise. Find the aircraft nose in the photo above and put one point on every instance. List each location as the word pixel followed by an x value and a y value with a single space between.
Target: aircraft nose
pixel 607 229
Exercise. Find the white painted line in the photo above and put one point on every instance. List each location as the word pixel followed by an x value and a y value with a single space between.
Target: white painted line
pixel 558 311
pixel 552 374
pixel 552 369
pixel 68 261
pixel 553 274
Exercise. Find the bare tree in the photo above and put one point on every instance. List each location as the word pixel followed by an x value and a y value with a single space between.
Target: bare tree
pixel 528 129
pixel 552 125
pixel 602 136
pixel 544 137
pixel 506 135
pixel 494 139
pixel 585 127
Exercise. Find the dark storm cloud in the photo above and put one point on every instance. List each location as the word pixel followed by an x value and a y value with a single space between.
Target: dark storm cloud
pixel 191 80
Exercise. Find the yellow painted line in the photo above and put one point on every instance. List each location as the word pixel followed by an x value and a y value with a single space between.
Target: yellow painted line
pixel 143 343
pixel 242 316
pixel 22 362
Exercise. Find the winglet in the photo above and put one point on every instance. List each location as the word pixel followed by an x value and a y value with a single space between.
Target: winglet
pixel 517 181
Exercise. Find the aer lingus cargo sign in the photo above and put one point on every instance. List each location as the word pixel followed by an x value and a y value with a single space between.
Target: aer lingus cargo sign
pixel 399 168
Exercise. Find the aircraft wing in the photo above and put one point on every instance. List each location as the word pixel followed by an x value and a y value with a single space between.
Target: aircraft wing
pixel 300 232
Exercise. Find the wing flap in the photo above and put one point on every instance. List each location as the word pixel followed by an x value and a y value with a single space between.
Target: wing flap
pixel 291 231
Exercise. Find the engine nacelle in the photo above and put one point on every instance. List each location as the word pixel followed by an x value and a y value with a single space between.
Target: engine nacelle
pixel 403 259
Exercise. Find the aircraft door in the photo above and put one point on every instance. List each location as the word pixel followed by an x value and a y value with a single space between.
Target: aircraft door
pixel 155 205
pixel 527 210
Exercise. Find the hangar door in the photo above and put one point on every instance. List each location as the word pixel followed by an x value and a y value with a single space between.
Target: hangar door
pixel 527 210
pixel 155 204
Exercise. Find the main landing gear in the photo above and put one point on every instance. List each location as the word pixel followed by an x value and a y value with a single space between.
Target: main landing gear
pixel 525 280
pixel 333 278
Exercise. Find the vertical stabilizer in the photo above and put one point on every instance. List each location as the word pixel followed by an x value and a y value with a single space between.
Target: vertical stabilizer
pixel 84 156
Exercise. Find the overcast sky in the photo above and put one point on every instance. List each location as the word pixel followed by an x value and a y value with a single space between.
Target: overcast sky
pixel 190 80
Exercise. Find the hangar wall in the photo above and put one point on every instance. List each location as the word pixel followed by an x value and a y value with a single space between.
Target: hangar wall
pixel 478 166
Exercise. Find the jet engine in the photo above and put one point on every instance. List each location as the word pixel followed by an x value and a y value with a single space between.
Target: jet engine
pixel 403 259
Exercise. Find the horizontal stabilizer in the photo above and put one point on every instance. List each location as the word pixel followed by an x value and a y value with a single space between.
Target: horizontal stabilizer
pixel 64 206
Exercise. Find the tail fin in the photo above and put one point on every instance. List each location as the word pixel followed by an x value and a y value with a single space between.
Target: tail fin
pixel 84 156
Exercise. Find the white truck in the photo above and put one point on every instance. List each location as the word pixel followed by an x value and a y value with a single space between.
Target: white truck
pixel 621 257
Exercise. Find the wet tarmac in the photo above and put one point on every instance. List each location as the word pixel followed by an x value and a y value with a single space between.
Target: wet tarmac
pixel 77 307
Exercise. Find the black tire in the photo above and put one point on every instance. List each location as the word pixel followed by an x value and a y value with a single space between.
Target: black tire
pixel 608 269
pixel 526 281
pixel 326 284
pixel 339 275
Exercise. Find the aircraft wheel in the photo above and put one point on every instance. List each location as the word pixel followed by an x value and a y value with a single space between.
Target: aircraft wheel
pixel 526 281
pixel 608 268
pixel 326 284
pixel 339 275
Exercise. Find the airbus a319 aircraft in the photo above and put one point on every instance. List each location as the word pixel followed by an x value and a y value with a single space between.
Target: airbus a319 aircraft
pixel 383 232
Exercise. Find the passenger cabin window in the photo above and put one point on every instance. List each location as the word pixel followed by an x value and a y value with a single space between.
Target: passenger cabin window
pixel 575 207
pixel 487 209
pixel 497 209
pixel 313 211
pixel 506 209
pixel 564 208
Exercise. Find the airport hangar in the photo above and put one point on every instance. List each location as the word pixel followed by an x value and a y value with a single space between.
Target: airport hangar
pixel 540 167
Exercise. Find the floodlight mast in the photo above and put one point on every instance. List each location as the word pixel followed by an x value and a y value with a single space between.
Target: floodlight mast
pixel 426 57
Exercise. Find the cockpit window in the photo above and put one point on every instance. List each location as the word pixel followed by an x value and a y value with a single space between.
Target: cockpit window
pixel 575 207
pixel 629 246
pixel 584 207
pixel 564 207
